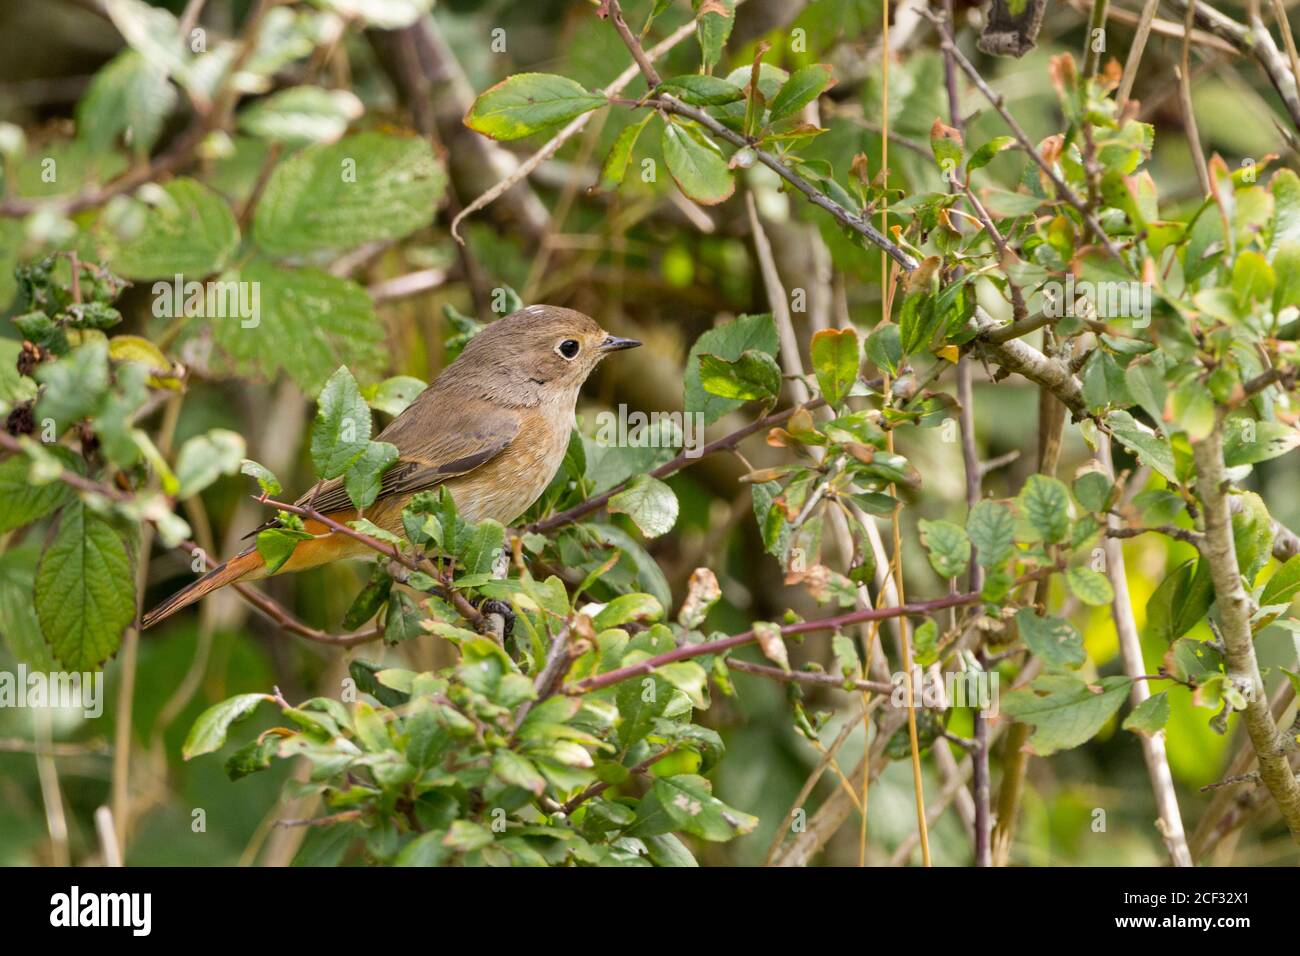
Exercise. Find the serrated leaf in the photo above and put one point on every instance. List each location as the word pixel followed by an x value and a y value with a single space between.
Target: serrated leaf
pixel 190 231
pixel 753 375
pixel 803 86
pixel 1064 711
pixel 1045 502
pixel 529 103
pixel 713 28
pixel 727 341
pixel 85 590
pixel 1150 716
pixel 948 545
pixel 648 502
pixel 308 323
pixel 302 114
pixel 209 731
pixel 22 501
pixel 129 97
pixel 689 802
pixel 696 164
pixel 1089 586
pixel 367 187
pixel 363 477
pixel 700 89
pixel 340 432
pixel 984 154
pixel 616 162
pixel 205 458
pixel 1053 639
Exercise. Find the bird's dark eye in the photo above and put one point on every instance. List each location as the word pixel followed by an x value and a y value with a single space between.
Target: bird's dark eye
pixel 568 348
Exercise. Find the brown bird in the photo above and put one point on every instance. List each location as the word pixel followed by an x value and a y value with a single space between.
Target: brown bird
pixel 493 428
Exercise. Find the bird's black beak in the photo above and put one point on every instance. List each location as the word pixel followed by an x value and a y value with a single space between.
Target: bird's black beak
pixel 613 343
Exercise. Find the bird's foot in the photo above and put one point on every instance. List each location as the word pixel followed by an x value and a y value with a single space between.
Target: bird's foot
pixel 497 619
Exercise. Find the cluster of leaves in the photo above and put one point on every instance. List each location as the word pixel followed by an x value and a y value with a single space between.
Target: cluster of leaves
pixel 482 763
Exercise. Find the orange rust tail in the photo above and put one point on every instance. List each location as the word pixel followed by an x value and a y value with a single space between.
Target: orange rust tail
pixel 243 565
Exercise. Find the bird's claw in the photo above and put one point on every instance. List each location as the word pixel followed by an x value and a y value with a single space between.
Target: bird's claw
pixel 497 619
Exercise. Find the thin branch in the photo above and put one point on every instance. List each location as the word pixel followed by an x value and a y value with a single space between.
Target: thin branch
pixel 997 101
pixel 726 443
pixel 1235 609
pixel 575 126
pixel 1153 745
pixel 688 651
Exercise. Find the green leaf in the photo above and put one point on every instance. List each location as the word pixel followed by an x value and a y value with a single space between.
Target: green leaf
pixel 984 155
pixel 1149 448
pixel 75 385
pixel 754 375
pixel 129 97
pixel 1252 535
pixel 210 729
pixel 1093 490
pixel 642 608
pixel 393 395
pixel 640 701
pixel 803 86
pixel 688 801
pixel 1284 583
pixel 615 166
pixel 650 503
pixel 1181 601
pixel 367 187
pixel 1089 586
pixel 22 500
pixel 699 89
pixel 696 164
pixel 835 360
pixel 276 546
pixel 402 622
pixel 1286 266
pixel 713 29
pixel 885 348
pixel 925 643
pixel 266 479
pixel 363 477
pixel 529 103
pixel 85 590
pixel 1150 716
pixel 307 323
pixel 1252 278
pixel 189 231
pixel 946 144
pixel 727 341
pixel 372 597
pixel 479 550
pixel 1192 410
pixel 1064 711
pixel 340 433
pixel 948 545
pixel 515 770
pixel 302 114
pixel 19 628
pixel 1248 442
pixel 918 321
pixel 205 458
pixel 1045 502
pixel 1052 639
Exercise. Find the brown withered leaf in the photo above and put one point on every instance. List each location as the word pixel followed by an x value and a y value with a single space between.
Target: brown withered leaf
pixel 702 592
pixel 771 644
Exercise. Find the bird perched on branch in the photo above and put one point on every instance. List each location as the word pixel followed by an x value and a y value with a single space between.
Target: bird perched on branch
pixel 493 429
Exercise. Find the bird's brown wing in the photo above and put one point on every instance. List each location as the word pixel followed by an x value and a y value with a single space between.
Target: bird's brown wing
pixel 439 436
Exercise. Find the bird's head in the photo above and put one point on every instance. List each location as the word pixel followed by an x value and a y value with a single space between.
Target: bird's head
pixel 539 352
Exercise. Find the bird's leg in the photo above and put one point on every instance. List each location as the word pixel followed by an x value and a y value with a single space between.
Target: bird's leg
pixel 498 620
